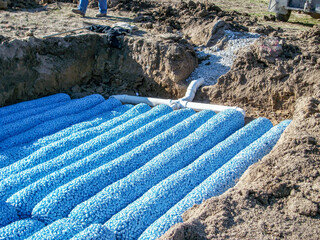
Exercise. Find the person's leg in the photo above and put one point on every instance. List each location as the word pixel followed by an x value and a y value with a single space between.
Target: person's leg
pixel 83 5
pixel 103 6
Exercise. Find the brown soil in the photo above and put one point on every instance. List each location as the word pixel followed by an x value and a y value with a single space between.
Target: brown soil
pixel 271 75
pixel 277 77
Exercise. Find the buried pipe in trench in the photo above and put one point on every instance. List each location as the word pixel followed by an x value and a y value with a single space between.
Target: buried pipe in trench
pixel 185 102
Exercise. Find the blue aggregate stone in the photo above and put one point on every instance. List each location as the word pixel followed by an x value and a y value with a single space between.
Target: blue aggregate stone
pixel 217 183
pixel 93 122
pixel 135 218
pixel 57 148
pixel 74 106
pixel 16 182
pixel 14 154
pixel 53 126
pixel 60 97
pixel 30 112
pixel 60 202
pixel 8 214
pixel 20 229
pixel 61 229
pixel 118 195
pixel 95 232
pixel 25 200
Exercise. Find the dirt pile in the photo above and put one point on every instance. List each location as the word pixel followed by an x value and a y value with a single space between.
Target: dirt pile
pixel 277 198
pixel 267 79
pixel 185 16
pixel 313 35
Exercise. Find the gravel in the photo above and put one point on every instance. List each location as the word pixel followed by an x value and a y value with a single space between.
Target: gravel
pixel 135 218
pixel 18 181
pixel 20 229
pixel 8 214
pixel 37 191
pixel 28 105
pixel 217 183
pixel 95 232
pixel 85 186
pixel 16 153
pixel 78 161
pixel 74 139
pixel 118 195
pixel 10 133
pixel 61 229
pixel 216 62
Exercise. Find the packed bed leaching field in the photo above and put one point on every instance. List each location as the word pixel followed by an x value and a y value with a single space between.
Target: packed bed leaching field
pixel 92 168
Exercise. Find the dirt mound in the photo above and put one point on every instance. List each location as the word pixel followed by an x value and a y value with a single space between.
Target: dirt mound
pixel 277 198
pixel 187 15
pixel 267 79
pixel 313 36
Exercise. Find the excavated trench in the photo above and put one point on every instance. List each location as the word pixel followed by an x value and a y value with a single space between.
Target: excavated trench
pixel 84 64
pixel 264 83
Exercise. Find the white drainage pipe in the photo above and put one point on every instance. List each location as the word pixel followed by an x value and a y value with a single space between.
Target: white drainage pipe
pixel 192 89
pixel 184 102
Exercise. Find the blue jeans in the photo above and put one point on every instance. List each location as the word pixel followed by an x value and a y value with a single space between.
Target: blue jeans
pixel 84 4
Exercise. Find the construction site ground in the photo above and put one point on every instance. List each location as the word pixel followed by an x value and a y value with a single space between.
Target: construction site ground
pixel 278 77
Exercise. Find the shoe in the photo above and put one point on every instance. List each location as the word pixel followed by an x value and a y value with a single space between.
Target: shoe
pixel 77 11
pixel 101 15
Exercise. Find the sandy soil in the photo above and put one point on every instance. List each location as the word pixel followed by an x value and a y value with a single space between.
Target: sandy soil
pixel 277 77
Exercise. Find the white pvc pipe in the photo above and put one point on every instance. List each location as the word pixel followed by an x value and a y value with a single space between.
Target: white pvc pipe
pixel 175 104
pixel 192 89
pixel 184 102
pixel 204 106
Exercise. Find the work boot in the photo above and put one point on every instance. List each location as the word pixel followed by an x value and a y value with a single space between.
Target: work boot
pixel 101 15
pixel 77 11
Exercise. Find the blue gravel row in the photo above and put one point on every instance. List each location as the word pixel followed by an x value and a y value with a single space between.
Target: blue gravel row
pixel 18 181
pixel 26 199
pixel 8 214
pixel 220 181
pixel 95 232
pixel 14 154
pixel 60 202
pixel 53 126
pixel 93 122
pixel 135 218
pixel 57 148
pixel 14 117
pixel 74 106
pixel 118 195
pixel 60 97
pixel 61 229
pixel 20 229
